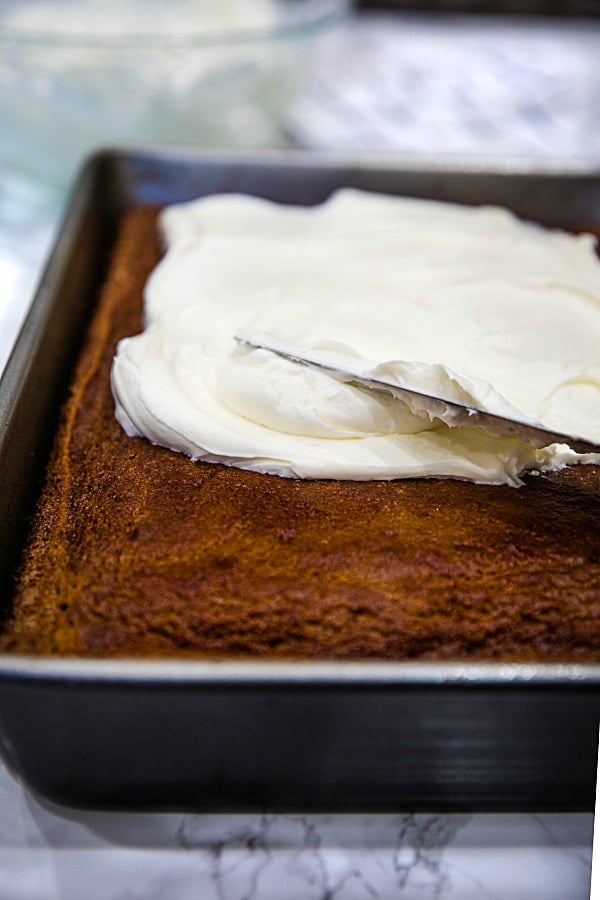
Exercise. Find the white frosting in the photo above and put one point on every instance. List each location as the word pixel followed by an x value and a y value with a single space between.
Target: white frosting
pixel 477 305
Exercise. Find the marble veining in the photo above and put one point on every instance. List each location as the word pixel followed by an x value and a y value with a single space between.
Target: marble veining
pixel 51 853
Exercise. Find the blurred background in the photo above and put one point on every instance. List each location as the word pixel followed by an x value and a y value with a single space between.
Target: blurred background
pixel 448 82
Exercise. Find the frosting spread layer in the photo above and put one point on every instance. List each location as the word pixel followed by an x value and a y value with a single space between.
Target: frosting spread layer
pixel 460 299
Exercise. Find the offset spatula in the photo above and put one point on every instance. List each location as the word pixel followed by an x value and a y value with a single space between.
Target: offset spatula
pixel 532 433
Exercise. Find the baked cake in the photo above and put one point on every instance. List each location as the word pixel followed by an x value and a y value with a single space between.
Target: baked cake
pixel 139 551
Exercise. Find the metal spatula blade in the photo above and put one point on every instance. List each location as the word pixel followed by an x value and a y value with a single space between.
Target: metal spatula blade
pixel 534 434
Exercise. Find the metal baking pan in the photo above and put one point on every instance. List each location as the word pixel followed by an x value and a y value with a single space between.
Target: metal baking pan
pixel 259 735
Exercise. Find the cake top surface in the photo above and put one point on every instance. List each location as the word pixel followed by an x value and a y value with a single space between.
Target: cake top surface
pixel 138 551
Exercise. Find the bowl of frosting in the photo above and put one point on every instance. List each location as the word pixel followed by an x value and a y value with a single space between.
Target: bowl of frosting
pixel 79 74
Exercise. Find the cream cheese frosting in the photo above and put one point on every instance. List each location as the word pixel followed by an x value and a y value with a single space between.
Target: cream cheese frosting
pixel 470 301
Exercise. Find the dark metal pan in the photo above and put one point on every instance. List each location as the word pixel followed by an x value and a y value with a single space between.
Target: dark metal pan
pixel 259 735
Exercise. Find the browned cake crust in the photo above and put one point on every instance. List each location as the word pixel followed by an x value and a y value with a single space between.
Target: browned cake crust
pixel 136 550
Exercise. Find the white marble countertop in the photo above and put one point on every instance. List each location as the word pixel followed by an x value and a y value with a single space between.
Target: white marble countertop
pixel 50 853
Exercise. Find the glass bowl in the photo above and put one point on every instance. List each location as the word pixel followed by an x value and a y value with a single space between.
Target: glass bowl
pixel 79 74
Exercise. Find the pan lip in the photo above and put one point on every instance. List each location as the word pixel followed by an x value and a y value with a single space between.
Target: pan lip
pixel 290 673
pixel 346 161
